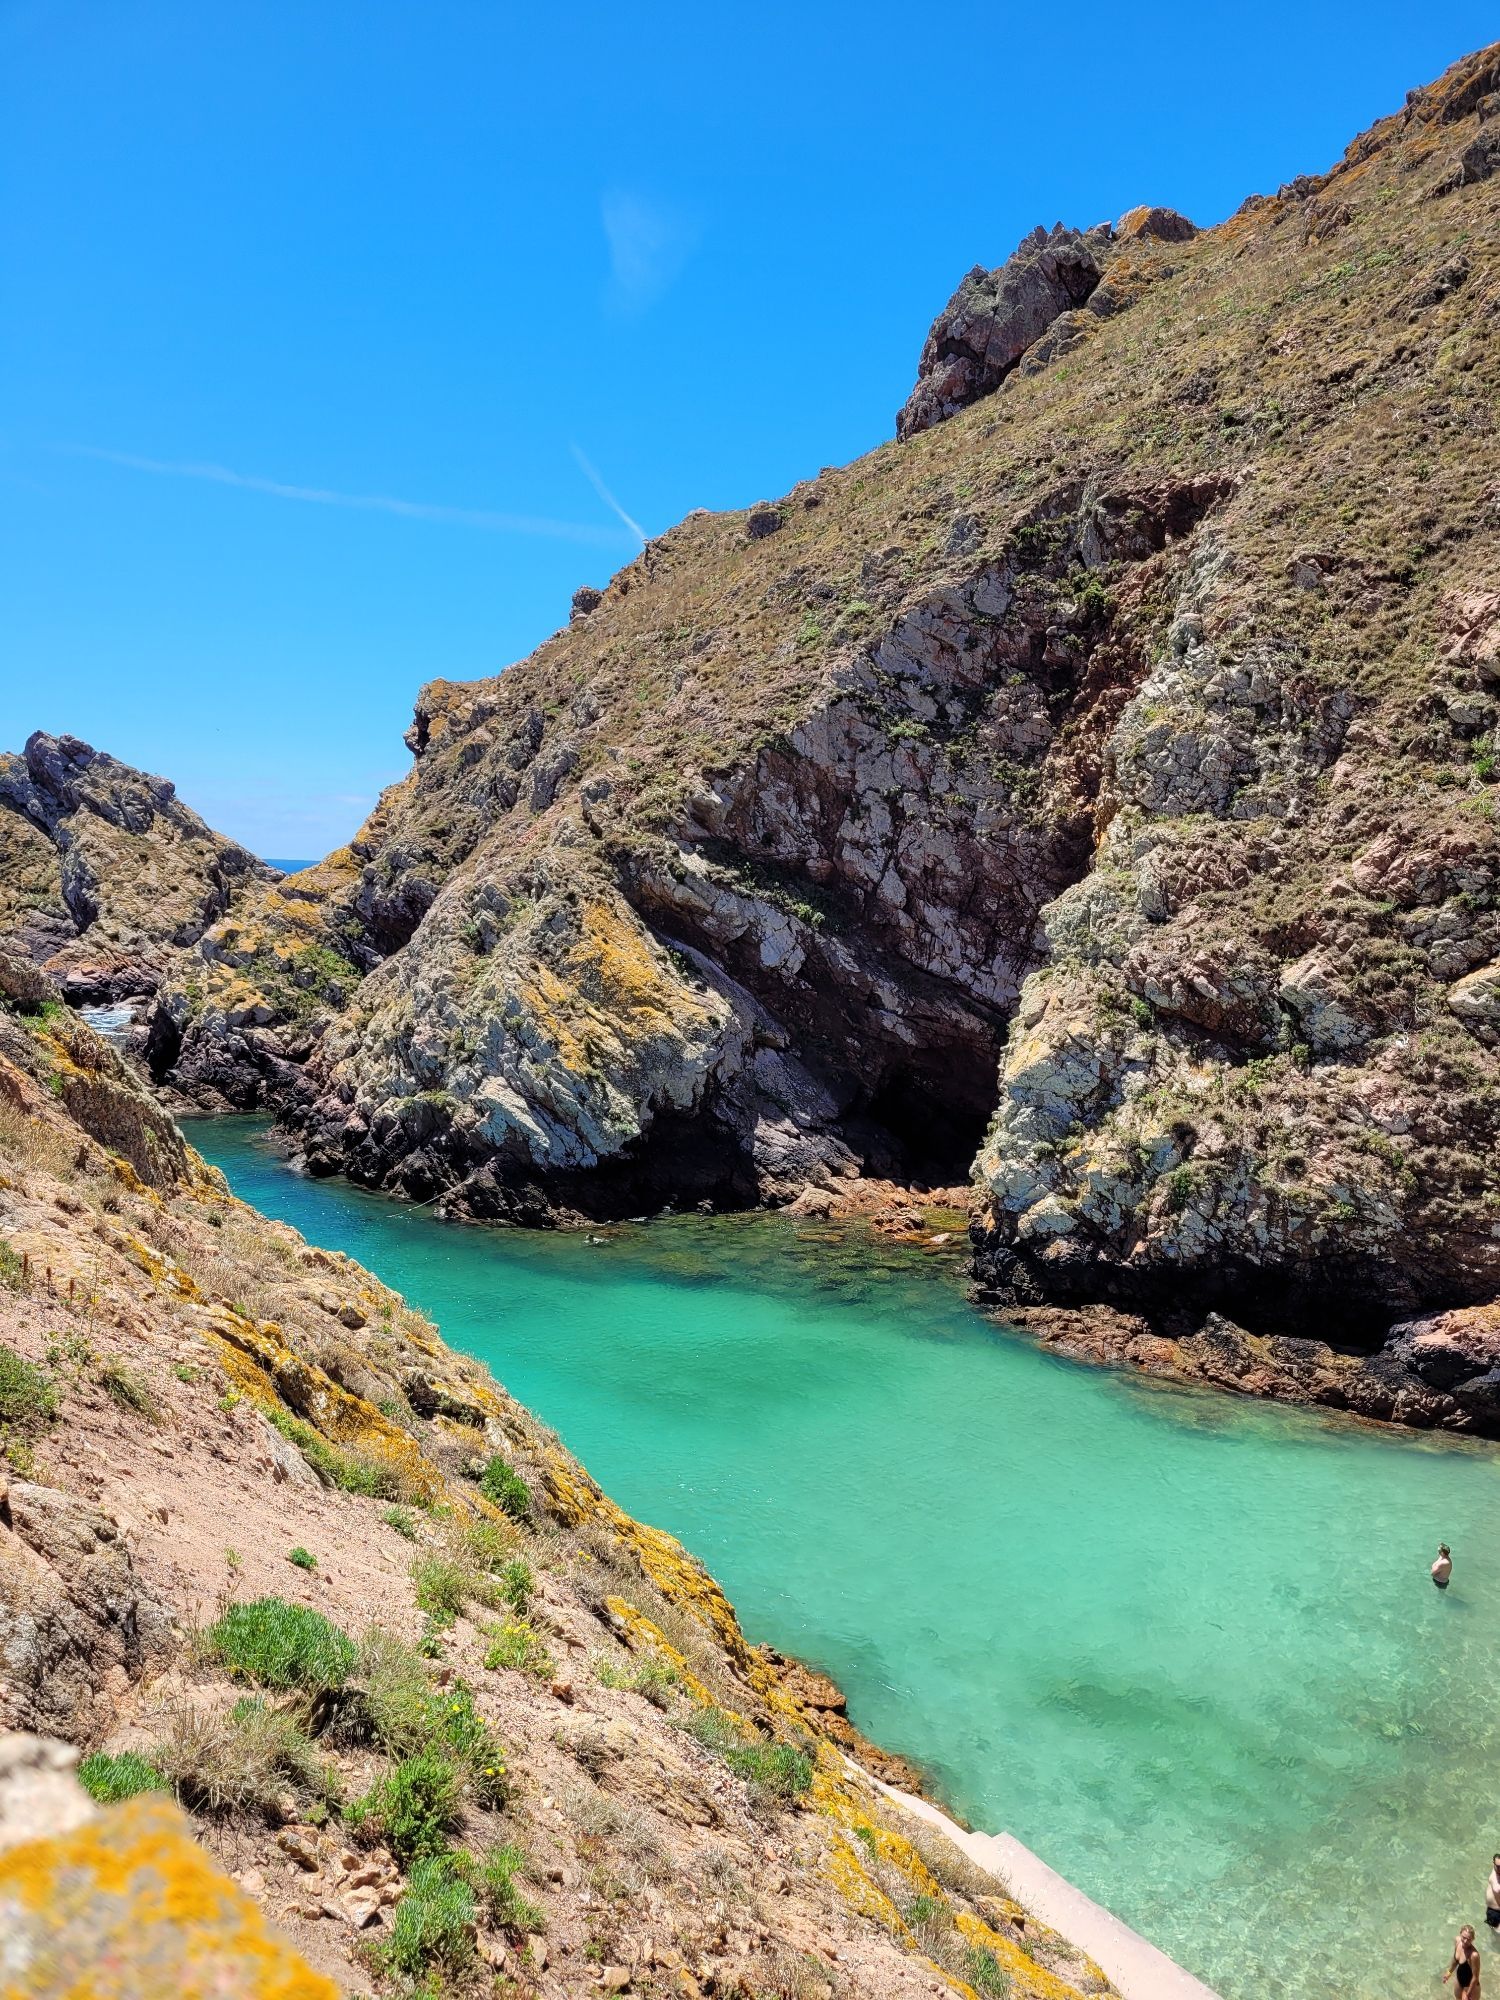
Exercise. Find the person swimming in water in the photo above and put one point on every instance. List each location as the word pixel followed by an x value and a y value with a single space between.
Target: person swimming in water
pixel 1442 1569
pixel 1463 1970
pixel 1492 1897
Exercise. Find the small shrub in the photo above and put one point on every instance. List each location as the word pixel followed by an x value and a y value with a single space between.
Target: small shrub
pixel 517 1583
pixel 517 1646
pixel 282 1645
pixel 1179 1189
pixel 407 1716
pixel 772 1770
pixel 503 1485
pixel 14 1274
pixel 414 1808
pixel 443 1587
pixel 494 1880
pixel 108 1780
pixel 403 1520
pixel 434 1922
pixel 28 1398
pixel 482 1546
pixel 123 1386
pixel 185 1372
pixel 302 1558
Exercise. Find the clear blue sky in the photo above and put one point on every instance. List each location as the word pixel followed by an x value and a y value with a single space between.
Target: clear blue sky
pixel 429 251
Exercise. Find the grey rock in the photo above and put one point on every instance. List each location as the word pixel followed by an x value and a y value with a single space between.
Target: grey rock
pixel 993 318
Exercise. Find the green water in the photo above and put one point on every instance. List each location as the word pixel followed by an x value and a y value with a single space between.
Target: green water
pixel 1186 1648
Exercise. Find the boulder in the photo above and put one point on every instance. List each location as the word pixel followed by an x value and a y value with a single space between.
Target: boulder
pixel 1159 225
pixel 763 520
pixel 76 1624
pixel 126 1903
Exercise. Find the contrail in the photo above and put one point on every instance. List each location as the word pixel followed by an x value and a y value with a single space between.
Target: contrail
pixel 609 499
pixel 377 503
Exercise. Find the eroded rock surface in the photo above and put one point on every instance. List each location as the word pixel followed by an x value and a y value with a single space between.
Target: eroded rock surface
pixel 104 874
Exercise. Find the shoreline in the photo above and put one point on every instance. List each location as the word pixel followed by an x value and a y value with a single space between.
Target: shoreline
pixel 1139 1969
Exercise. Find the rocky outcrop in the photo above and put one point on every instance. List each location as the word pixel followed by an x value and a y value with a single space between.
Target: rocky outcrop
pixel 124 1904
pixel 995 316
pixel 1436 1374
pixel 77 1627
pixel 105 876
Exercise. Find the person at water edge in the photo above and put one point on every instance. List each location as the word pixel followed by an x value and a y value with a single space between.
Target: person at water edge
pixel 1463 1969
pixel 1442 1569
pixel 1492 1897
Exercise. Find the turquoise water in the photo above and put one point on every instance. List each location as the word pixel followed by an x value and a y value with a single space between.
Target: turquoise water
pixel 1184 1647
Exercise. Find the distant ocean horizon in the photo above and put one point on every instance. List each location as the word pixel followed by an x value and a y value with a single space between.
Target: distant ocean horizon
pixel 286 867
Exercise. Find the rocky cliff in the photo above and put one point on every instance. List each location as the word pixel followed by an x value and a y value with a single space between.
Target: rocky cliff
pixel 105 876
pixel 452 1721
pixel 1096 784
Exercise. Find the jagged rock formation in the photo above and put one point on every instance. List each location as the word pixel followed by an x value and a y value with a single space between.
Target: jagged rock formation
pixel 995 316
pixel 105 876
pixel 199 1409
pixel 1128 736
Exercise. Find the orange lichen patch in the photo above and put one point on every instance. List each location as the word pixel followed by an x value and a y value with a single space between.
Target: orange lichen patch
pixel 161 1270
pixel 848 1874
pixel 265 1368
pixel 642 1631
pixel 1029 1981
pixel 550 1001
pixel 129 1907
pixel 626 976
pixel 843 1804
pixel 680 1578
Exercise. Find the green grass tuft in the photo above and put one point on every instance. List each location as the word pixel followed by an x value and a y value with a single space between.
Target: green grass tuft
pixel 414 1808
pixel 108 1780
pixel 433 1928
pixel 282 1645
pixel 772 1770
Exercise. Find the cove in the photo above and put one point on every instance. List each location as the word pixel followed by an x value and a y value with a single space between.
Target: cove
pixel 1184 1647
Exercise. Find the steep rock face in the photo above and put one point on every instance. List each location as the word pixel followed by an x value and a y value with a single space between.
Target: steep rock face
pixel 104 874
pixel 1129 734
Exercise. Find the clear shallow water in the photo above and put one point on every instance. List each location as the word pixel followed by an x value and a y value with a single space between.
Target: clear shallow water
pixel 1186 1648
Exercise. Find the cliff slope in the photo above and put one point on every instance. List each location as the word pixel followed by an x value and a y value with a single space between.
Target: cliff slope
pixel 1097 783
pixel 445 1712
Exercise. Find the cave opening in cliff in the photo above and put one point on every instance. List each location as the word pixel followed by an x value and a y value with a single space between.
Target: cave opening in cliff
pixel 925 1129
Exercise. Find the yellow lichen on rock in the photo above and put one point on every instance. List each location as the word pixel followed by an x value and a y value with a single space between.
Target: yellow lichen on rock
pixel 129 1907
pixel 861 1891
pixel 1029 1980
pixel 643 1631
pixel 680 1578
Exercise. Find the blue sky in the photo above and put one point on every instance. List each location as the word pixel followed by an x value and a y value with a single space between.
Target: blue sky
pixel 340 341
